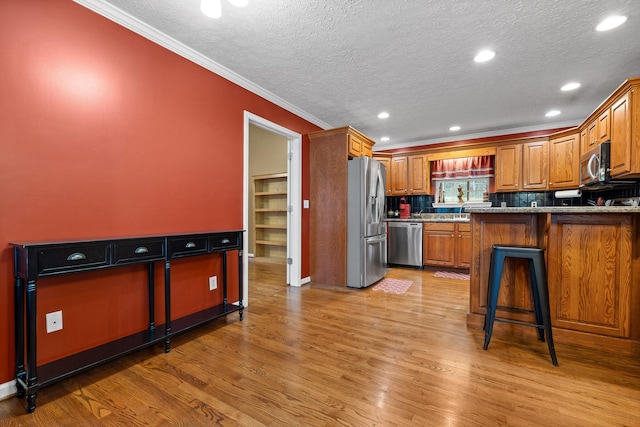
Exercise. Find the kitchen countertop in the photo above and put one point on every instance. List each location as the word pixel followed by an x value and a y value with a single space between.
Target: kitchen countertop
pixel 454 217
pixel 557 209
pixel 434 217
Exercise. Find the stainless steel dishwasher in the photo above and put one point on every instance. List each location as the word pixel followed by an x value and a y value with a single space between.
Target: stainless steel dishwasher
pixel 404 243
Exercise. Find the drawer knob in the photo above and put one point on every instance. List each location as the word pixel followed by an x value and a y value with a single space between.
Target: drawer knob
pixel 190 245
pixel 142 250
pixel 225 241
pixel 76 256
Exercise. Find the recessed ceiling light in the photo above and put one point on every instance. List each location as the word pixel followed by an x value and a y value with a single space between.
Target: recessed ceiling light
pixel 570 86
pixel 454 128
pixel 384 139
pixel 553 113
pixel 211 8
pixel 611 22
pixel 484 56
pixel 383 115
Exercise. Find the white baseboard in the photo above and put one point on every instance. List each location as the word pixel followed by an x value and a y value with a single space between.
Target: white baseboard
pixel 305 280
pixel 7 389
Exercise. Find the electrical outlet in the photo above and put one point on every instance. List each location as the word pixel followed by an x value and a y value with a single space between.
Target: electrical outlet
pixel 213 283
pixel 54 321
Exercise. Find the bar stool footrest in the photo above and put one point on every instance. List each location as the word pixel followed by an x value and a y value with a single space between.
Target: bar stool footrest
pixel 519 310
pixel 519 322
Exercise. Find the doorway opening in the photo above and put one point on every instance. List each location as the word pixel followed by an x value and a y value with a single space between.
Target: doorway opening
pixel 291 143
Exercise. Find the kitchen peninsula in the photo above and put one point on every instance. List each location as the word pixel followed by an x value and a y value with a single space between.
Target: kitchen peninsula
pixel 593 270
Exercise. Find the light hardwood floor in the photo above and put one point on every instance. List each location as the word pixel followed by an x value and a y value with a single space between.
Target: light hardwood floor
pixel 325 356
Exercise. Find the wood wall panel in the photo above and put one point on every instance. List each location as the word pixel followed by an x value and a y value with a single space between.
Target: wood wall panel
pixel 503 229
pixel 590 273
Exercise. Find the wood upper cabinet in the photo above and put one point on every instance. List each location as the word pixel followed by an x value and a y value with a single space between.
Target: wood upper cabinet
pixel 359 145
pixel 418 173
pixel 399 176
pixel 508 172
pixel 595 132
pixel 564 161
pixel 447 244
pixel 590 273
pixel 409 174
pixel 622 144
pixel 386 161
pixel 534 165
pixel 522 167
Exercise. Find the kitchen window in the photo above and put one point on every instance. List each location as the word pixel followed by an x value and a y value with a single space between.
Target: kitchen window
pixel 473 190
pixel 466 178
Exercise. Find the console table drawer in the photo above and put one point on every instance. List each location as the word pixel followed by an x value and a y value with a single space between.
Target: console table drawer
pixel 187 246
pixel 224 241
pixel 68 258
pixel 138 250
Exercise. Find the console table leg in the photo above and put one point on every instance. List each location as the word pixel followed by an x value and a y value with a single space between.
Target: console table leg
pixel 151 292
pixel 20 391
pixel 31 372
pixel 31 402
pixel 167 306
pixel 240 283
pixel 19 336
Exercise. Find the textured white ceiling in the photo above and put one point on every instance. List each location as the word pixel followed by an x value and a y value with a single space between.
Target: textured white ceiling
pixel 342 62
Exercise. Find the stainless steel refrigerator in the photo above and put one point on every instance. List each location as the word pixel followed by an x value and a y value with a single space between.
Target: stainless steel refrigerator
pixel 366 229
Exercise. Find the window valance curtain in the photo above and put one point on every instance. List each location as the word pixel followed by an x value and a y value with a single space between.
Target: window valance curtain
pixel 463 168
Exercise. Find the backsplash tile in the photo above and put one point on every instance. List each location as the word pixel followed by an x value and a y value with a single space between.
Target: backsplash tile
pixel 519 199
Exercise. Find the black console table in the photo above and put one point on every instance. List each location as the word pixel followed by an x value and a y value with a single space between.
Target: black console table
pixel 36 260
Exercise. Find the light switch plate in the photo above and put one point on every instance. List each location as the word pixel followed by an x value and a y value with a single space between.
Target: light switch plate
pixel 54 321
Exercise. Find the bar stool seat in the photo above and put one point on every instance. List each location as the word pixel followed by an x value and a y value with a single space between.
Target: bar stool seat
pixel 539 290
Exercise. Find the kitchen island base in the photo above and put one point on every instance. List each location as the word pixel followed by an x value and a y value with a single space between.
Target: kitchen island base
pixel 593 272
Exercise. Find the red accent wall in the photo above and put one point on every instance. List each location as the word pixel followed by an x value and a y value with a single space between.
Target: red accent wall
pixel 102 134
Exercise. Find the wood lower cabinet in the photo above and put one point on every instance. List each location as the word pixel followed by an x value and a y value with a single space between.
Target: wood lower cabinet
pixel 589 270
pixel 564 161
pixel 446 244
pixel 463 245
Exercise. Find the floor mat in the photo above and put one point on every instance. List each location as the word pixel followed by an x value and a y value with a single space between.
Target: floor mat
pixel 450 275
pixel 393 286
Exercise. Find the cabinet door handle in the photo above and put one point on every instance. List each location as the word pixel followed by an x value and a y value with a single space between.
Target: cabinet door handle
pixel 141 250
pixel 225 241
pixel 76 256
pixel 190 245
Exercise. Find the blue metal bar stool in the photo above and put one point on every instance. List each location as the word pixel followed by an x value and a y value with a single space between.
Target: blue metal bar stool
pixel 538 274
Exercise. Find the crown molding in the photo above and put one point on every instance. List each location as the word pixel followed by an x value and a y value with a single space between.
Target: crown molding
pixel 137 26
pixel 471 136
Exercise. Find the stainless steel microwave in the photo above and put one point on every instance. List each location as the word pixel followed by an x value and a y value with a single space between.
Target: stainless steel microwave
pixel 594 165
